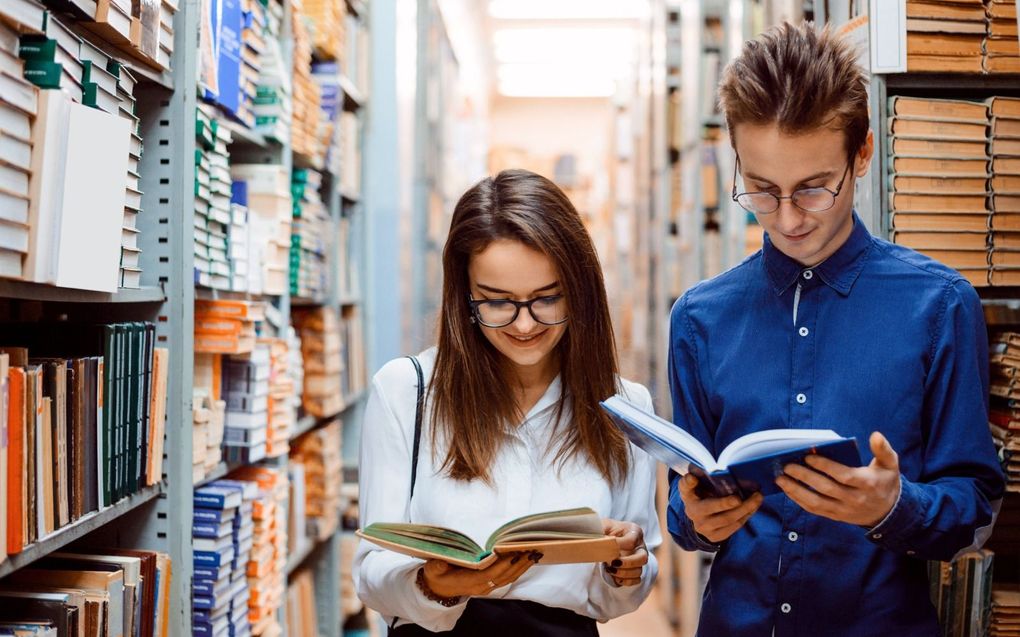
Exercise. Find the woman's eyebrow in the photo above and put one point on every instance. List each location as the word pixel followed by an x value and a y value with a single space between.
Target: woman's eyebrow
pixel 819 175
pixel 488 288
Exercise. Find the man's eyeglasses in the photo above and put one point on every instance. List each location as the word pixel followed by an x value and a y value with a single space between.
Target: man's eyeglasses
pixel 547 310
pixel 807 199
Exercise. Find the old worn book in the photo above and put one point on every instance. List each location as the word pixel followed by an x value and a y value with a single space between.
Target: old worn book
pixel 1004 277
pixel 960 259
pixel 939 221
pixel 929 167
pixel 1006 165
pixel 926 241
pixel 1004 106
pixel 940 185
pixel 1005 221
pixel 1006 240
pixel 932 129
pixel 945 63
pixel 916 25
pixel 938 203
pixel 571 536
pixel 947 148
pixel 938 109
pixel 1006 184
pixel 749 464
pixel 1005 203
pixel 943 44
pixel 937 9
pixel 1006 127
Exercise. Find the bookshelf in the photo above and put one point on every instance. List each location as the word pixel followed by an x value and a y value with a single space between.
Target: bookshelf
pixel 166 103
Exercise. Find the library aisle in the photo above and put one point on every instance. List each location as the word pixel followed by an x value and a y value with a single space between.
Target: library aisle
pixel 220 218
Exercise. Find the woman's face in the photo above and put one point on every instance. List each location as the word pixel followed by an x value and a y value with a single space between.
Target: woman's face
pixel 510 270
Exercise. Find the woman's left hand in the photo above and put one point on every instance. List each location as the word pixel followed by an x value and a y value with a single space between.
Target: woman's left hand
pixel 626 570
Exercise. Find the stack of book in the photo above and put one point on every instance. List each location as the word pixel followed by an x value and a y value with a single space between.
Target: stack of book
pixel 349 601
pixel 301 608
pixel 109 592
pixel 1004 412
pixel 18 106
pixel 227 327
pixel 945 36
pixel 238 238
pixel 267 565
pixel 222 532
pixel 319 453
pixel 319 328
pixel 247 395
pixel 1005 611
pixel 311 236
pixel 331 99
pixel 352 355
pixel 1005 190
pixel 273 93
pixel 208 425
pixel 253 46
pixel 297 529
pixel 53 58
pixel 306 114
pixel 167 10
pixel 270 209
pixel 1002 48
pixel 939 181
pixel 961 592
pixel 295 367
pixel 350 143
pixel 130 254
pixel 213 193
pixel 326 20
pixel 85 420
pixel 282 391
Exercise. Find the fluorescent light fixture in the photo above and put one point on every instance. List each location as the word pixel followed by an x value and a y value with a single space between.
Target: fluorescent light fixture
pixel 551 45
pixel 556 80
pixel 568 9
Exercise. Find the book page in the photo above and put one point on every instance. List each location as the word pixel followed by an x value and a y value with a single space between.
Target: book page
pixel 771 441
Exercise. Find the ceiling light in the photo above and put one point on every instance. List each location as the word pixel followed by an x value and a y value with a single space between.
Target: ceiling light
pixel 568 9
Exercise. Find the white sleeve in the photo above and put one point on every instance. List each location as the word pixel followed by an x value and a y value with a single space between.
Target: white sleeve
pixel 634 501
pixel 385 580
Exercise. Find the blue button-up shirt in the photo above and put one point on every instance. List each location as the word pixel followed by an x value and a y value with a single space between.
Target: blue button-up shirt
pixel 877 337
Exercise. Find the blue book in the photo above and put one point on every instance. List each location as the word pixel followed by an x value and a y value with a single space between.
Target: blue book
pixel 214 559
pixel 213 531
pixel 229 60
pixel 211 516
pixel 748 464
pixel 212 497
pixel 213 573
pixel 239 192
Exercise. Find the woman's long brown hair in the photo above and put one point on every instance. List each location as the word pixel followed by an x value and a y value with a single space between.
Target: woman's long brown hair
pixel 471 392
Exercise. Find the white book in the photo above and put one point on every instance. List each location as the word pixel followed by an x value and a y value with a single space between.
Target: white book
pixel 129 258
pixel 130 278
pixel 10 64
pixel 15 151
pixel 49 143
pixel 129 238
pixel 13 119
pixel 13 236
pixel 11 264
pixel 14 179
pixel 13 207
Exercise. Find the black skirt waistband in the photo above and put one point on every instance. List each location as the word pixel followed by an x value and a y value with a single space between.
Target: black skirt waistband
pixel 510 618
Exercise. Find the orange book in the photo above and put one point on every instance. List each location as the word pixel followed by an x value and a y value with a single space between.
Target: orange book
pixel 245 310
pixel 16 518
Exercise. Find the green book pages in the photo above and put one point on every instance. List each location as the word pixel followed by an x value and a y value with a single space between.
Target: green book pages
pixel 562 537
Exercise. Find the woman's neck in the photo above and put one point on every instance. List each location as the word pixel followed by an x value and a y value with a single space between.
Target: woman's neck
pixel 530 383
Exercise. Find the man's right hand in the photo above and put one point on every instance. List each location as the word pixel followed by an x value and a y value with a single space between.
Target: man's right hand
pixel 716 519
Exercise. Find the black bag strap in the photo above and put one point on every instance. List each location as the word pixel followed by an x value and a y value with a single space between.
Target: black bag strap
pixel 419 407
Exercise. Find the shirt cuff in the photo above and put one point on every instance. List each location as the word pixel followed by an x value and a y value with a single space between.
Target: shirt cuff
pixel 903 521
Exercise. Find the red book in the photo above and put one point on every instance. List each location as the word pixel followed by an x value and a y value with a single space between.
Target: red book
pixel 16 518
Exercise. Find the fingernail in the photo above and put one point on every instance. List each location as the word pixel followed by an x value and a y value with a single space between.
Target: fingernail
pixel 617 563
pixel 535 557
pixel 610 569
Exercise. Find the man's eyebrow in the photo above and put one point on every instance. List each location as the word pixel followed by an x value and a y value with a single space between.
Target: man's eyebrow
pixel 819 175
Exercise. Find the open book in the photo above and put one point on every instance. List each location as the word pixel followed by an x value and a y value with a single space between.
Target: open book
pixel 571 536
pixel 748 464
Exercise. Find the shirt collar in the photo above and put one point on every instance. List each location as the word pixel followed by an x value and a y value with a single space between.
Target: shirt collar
pixel 549 398
pixel 839 271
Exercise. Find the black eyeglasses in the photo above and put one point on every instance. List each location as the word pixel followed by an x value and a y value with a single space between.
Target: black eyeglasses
pixel 807 199
pixel 547 310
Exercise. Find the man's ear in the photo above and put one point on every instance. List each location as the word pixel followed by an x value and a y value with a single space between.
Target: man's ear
pixel 862 159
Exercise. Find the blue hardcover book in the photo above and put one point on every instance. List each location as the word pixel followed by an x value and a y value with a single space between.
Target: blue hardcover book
pixel 211 531
pixel 229 63
pixel 211 516
pixel 239 192
pixel 218 617
pixel 214 573
pixel 214 559
pixel 748 464
pixel 213 497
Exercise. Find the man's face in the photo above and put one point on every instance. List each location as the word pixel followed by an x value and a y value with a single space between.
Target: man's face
pixel 780 163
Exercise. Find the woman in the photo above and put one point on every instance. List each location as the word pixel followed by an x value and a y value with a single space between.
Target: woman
pixel 512 427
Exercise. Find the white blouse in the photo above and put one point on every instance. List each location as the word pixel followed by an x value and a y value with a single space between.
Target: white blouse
pixel 525 481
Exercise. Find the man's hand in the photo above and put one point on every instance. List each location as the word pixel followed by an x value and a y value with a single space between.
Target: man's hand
pixel 627 569
pixel 716 519
pixel 856 495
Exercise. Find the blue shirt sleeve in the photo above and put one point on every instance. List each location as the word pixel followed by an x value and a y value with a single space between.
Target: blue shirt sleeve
pixel 691 413
pixel 950 506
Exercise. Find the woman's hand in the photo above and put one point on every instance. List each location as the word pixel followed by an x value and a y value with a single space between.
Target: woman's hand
pixel 626 570
pixel 446 580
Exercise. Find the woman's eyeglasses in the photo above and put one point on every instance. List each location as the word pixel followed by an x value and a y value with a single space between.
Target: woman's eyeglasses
pixel 547 310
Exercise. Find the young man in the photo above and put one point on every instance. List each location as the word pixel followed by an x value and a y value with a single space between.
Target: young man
pixel 828 327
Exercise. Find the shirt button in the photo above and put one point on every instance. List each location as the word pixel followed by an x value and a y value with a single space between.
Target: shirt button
pixel 801 398
pixel 911 552
pixel 808 274
pixel 803 331
pixel 792 535
pixel 877 536
pixel 786 608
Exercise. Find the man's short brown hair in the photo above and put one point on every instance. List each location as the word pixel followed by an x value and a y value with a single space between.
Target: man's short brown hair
pixel 800 78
